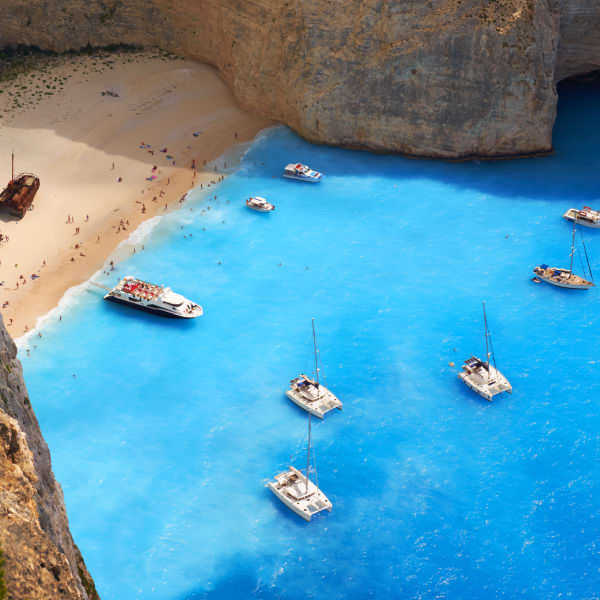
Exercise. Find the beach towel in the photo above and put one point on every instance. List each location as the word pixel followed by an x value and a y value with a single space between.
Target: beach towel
pixel 151 178
pixel 169 157
pixel 196 133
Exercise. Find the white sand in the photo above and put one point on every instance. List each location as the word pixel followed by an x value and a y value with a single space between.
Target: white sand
pixel 71 140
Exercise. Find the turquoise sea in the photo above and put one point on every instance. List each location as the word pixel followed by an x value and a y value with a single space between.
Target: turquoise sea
pixel 163 433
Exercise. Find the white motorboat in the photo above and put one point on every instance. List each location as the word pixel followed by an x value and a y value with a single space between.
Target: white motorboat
pixel 259 204
pixel 297 491
pixel 586 216
pixel 310 394
pixel 565 278
pixel 302 173
pixel 483 378
pixel 152 298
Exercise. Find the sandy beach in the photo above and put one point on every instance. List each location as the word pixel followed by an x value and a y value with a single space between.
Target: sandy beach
pixel 92 128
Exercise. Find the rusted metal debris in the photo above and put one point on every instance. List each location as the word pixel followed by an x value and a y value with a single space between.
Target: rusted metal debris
pixel 18 195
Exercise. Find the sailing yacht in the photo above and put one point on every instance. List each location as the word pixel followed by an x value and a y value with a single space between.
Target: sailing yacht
pixel 565 277
pixel 311 395
pixel 482 377
pixel 297 491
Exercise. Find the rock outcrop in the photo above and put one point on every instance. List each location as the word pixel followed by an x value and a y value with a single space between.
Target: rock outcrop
pixel 445 78
pixel 40 559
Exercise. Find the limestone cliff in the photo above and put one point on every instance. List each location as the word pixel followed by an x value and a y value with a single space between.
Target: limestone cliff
pixel 41 561
pixel 444 78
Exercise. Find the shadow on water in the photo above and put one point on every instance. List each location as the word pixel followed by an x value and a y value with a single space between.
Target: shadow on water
pixel 556 177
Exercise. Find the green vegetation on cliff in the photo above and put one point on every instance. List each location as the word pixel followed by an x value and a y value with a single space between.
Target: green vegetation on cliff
pixel 3 591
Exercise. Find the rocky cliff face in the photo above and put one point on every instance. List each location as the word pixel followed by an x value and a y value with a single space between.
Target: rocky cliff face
pixel 444 78
pixel 41 561
pixel 579 47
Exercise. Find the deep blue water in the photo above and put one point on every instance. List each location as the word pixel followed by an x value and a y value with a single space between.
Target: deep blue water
pixel 163 433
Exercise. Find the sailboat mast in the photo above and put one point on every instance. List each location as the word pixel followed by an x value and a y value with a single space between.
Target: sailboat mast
pixel 308 453
pixel 309 413
pixel 315 349
pixel 12 169
pixel 572 250
pixel 487 350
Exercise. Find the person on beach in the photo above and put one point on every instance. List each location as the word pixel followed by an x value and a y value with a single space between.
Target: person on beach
pixel 87 218
pixel 165 208
pixel 113 167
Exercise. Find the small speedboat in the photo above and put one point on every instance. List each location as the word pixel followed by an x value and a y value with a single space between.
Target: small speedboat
pixel 302 172
pixel 586 216
pixel 259 204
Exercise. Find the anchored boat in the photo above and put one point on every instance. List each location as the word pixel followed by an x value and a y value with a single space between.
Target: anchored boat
pixel 18 195
pixel 259 204
pixel 302 172
pixel 297 491
pixel 565 277
pixel 483 378
pixel 586 216
pixel 311 395
pixel 151 298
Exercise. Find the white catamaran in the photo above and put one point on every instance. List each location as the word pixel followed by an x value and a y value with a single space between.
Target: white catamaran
pixel 482 377
pixel 297 491
pixel 565 277
pixel 311 395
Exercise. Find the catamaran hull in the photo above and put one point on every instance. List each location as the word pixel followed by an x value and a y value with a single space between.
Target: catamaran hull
pixel 148 309
pixel 297 506
pixel 479 390
pixel 299 401
pixel 571 215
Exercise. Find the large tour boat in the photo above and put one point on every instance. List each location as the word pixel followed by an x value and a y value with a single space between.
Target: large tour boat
pixel 311 395
pixel 297 491
pixel 565 278
pixel 483 378
pixel 302 172
pixel 586 216
pixel 152 298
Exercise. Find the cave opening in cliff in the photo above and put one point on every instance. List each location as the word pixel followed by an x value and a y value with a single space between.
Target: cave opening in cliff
pixel 578 110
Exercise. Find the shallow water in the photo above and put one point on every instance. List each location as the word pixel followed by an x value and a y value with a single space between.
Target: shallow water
pixel 163 433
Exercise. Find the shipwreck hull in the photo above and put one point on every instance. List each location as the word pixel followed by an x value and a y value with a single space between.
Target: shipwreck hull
pixel 18 195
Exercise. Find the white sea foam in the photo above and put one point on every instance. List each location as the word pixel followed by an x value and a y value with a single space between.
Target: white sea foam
pixel 141 235
pixel 74 294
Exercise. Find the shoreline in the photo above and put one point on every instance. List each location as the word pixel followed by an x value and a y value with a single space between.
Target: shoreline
pixel 141 234
pixel 166 103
